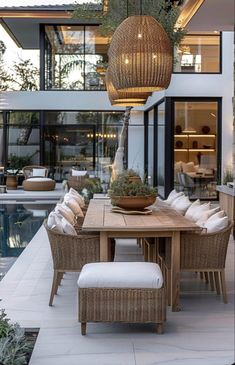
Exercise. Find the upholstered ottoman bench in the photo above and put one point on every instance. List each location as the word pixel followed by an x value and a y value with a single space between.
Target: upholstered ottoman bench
pixel 121 292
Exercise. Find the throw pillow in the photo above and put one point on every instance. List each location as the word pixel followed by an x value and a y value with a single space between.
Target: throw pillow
pixel 199 211
pixel 79 197
pixel 54 221
pixel 39 172
pixel 78 173
pixel 66 212
pixel 172 196
pixel 220 214
pixel 68 228
pixel 206 215
pixel 216 225
pixel 74 206
pixel 181 204
pixel 192 209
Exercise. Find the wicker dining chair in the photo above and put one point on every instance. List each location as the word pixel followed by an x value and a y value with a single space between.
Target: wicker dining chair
pixel 70 253
pixel 204 253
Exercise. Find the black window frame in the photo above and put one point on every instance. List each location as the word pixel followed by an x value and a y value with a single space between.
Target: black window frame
pixel 220 57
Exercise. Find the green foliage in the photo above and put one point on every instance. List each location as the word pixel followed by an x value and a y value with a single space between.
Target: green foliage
pixel 123 186
pixel 4 323
pixel 164 11
pixel 227 175
pixel 14 348
pixel 18 162
pixel 88 187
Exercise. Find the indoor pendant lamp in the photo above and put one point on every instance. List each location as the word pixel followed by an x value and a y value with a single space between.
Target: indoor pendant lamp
pixel 140 55
pixel 122 98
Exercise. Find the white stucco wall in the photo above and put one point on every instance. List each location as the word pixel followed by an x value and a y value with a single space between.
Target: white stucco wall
pixel 185 85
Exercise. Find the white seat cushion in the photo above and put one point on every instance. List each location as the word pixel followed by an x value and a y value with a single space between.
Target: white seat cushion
pixel 121 275
pixel 39 179
pixel 78 173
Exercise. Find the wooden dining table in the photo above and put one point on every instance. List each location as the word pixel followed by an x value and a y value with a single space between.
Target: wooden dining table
pixel 163 222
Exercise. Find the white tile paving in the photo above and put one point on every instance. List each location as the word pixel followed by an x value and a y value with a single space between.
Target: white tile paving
pixel 202 333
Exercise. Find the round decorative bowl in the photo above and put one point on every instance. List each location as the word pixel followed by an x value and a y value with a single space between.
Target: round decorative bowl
pixel 133 202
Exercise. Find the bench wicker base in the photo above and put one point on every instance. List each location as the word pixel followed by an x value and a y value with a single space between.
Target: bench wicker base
pixel 122 305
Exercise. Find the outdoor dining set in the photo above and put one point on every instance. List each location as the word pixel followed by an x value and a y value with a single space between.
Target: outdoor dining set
pixel 178 235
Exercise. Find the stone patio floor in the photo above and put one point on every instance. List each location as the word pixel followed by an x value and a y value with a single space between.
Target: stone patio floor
pixel 201 334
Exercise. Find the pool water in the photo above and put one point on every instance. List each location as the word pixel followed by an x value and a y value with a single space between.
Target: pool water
pixel 18 224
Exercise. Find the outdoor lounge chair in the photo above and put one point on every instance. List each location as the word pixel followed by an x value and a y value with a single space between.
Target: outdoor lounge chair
pixel 36 179
pixel 70 253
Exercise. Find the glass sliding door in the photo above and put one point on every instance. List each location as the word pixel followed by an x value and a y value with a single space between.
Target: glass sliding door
pixel 196 147
pixel 150 147
pixel 85 140
pixel 161 131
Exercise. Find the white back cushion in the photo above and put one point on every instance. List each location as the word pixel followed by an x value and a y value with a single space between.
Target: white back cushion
pixel 66 212
pixel 39 172
pixel 78 173
pixel 216 225
pixel 80 198
pixel 54 221
pixel 206 215
pixel 192 209
pixel 220 214
pixel 196 214
pixel 181 204
pixel 172 196
pixel 68 228
pixel 74 206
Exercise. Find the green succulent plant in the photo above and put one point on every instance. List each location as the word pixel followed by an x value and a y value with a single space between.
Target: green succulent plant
pixel 123 186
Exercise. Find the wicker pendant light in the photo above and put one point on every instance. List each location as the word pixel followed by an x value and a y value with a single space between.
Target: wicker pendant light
pixel 140 55
pixel 118 98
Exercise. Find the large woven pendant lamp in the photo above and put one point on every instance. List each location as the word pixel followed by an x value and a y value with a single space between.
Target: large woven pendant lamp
pixel 118 98
pixel 140 55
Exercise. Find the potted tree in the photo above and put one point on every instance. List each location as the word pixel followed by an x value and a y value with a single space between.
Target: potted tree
pixel 128 193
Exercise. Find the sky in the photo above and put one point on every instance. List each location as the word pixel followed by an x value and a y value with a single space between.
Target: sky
pixel 14 53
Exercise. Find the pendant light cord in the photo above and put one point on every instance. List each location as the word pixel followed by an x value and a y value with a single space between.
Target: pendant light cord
pixel 141 8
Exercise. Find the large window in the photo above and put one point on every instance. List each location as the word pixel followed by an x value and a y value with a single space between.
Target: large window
pixel 84 140
pixel 198 53
pixel 1 139
pixel 23 139
pixel 195 147
pixel 75 56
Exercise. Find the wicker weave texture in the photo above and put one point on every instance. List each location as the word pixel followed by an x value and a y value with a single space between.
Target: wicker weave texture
pixel 200 251
pixel 70 253
pixel 27 170
pixel 140 55
pixel 39 185
pixel 122 305
pixel 124 98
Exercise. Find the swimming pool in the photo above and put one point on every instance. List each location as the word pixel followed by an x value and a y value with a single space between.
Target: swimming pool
pixel 18 225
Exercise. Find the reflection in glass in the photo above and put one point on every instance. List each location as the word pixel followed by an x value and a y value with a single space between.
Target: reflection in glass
pixel 150 146
pixel 85 140
pixel 161 150
pixel 196 148
pixel 198 53
pixel 75 56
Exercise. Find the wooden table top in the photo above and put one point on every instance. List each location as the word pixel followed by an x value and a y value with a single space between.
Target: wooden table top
pixel 99 217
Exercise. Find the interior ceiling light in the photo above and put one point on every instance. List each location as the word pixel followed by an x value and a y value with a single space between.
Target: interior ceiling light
pixel 140 55
pixel 122 98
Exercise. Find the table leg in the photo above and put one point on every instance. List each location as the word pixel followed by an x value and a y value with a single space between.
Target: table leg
pixel 104 247
pixel 175 272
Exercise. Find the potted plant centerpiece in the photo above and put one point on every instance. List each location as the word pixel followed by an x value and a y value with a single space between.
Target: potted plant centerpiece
pixel 131 193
